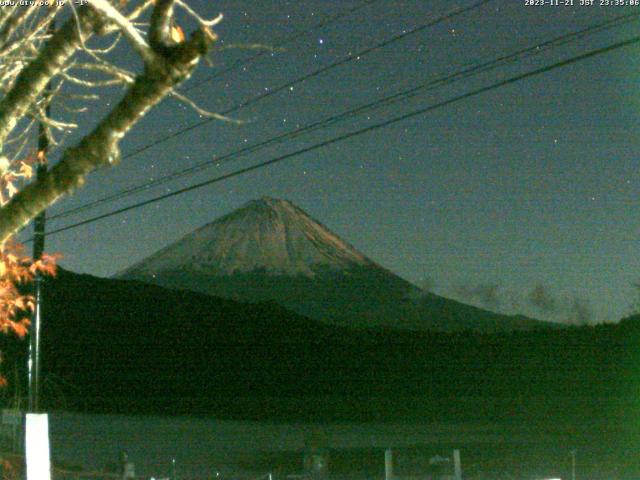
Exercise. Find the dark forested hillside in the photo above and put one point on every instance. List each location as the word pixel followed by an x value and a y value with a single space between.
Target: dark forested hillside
pixel 123 346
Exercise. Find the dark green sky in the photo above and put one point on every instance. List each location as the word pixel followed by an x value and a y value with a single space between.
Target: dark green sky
pixel 533 183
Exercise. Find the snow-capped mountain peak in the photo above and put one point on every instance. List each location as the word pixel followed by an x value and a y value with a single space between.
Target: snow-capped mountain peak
pixel 268 234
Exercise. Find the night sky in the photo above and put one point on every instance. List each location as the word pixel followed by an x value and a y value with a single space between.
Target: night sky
pixel 522 199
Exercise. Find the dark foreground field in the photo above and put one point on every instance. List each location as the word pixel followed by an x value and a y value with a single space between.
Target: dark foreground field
pixel 236 449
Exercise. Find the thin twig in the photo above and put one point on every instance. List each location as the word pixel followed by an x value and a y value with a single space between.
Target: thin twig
pixel 203 112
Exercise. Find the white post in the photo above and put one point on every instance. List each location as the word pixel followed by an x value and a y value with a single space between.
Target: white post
pixel 457 466
pixel 37 446
pixel 388 464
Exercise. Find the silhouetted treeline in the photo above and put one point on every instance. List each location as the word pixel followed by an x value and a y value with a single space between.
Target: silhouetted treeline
pixel 123 346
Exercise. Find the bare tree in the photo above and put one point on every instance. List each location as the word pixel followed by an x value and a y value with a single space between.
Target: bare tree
pixel 37 63
pixel 31 57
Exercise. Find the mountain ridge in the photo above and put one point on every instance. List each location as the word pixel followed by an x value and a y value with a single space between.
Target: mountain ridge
pixel 271 250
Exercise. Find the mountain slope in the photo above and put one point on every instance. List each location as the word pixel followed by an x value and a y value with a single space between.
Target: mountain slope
pixel 271 250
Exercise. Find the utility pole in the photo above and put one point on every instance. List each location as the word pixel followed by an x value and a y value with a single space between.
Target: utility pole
pixel 457 466
pixel 388 464
pixel 36 438
pixel 37 447
pixel 37 444
pixel 38 249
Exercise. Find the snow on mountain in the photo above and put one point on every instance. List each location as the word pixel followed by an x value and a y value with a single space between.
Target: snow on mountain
pixel 271 250
pixel 269 235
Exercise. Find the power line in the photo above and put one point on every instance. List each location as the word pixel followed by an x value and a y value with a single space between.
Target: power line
pixel 538 48
pixel 349 58
pixel 280 43
pixel 377 126
pixel 451 14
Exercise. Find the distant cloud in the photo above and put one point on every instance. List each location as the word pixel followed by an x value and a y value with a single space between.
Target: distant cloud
pixel 537 301
pixel 486 294
pixel 425 286
pixel 635 302
pixel 513 302
pixel 542 299
pixel 579 312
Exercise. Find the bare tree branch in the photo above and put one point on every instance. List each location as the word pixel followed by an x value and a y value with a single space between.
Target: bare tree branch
pixel 14 21
pixel 160 28
pixel 139 10
pixel 33 79
pixel 202 111
pixel 100 148
pixel 138 43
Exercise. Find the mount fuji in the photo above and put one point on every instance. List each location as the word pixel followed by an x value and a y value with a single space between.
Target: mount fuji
pixel 271 250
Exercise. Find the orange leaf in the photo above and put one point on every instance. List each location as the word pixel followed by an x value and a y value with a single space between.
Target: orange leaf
pixel 177 34
pixel 20 328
